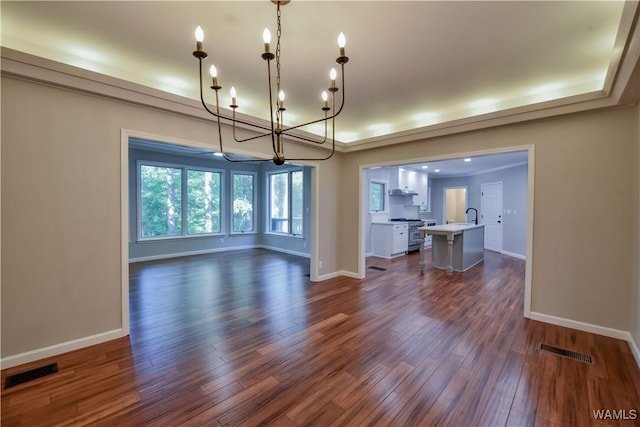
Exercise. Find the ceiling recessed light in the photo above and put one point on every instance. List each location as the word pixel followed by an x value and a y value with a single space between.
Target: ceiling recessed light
pixel 437 170
pixel 425 167
pixel 467 159
pixel 218 154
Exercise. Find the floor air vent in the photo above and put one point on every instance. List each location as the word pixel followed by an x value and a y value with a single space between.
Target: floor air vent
pixel 565 353
pixel 33 374
pixel 373 267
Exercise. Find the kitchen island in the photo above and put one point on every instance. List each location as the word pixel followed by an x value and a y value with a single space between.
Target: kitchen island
pixel 454 247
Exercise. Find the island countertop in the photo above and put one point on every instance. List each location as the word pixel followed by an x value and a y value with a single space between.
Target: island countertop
pixel 449 228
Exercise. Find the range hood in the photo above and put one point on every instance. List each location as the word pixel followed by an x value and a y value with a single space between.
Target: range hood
pixel 402 192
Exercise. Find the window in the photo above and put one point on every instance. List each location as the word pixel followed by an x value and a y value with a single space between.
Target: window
pixel 243 202
pixel 160 201
pixel 286 206
pixel 297 192
pixel 203 202
pixel 165 213
pixel 377 192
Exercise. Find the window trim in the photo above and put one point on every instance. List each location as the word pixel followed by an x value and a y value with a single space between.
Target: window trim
pixel 184 202
pixel 254 225
pixel 385 195
pixel 186 169
pixel 289 173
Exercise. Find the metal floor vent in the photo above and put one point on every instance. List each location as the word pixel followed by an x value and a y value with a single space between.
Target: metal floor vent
pixel 33 374
pixel 373 267
pixel 567 353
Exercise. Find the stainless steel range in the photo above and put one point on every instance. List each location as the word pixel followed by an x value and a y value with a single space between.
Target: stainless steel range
pixel 414 233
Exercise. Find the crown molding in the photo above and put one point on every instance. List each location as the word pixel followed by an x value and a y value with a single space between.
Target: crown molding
pixel 621 75
pixel 45 71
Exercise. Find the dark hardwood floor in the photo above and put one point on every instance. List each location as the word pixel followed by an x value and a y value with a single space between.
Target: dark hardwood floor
pixel 243 338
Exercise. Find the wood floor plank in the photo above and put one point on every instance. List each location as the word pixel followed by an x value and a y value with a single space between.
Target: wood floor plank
pixel 217 342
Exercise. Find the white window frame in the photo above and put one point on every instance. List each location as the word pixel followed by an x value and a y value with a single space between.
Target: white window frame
pixel 289 173
pixel 385 195
pixel 183 208
pixel 254 224
pixel 222 201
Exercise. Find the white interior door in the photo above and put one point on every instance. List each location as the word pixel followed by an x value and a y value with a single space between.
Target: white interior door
pixel 491 208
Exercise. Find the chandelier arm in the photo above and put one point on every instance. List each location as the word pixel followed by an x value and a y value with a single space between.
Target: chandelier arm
pixel 246 139
pixel 333 146
pixel 302 138
pixel 326 118
pixel 222 116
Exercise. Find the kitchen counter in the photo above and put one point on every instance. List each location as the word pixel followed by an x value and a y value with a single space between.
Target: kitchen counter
pixel 455 247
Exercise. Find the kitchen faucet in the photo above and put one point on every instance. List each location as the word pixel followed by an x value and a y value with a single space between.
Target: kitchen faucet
pixel 476 211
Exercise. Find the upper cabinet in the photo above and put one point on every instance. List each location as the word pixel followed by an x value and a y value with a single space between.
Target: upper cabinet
pixel 409 179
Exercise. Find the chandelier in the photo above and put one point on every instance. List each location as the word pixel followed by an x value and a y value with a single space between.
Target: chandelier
pixel 277 130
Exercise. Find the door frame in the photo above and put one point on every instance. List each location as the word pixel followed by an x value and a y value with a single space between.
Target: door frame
pixel 529 148
pixel 125 135
pixel 444 199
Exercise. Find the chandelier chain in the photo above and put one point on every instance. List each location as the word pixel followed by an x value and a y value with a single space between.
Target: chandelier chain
pixel 278 34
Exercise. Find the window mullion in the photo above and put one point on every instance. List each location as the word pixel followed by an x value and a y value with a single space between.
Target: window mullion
pixel 185 202
pixel 290 194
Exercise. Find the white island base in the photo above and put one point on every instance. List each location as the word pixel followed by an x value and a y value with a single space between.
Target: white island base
pixel 455 247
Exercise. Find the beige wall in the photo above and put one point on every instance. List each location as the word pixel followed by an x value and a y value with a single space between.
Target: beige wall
pixel 635 283
pixel 61 250
pixel 584 207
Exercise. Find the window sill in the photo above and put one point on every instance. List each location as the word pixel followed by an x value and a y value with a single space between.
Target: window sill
pixel 167 238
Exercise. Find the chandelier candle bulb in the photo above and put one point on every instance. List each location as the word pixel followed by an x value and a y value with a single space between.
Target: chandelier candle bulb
pixel 341 43
pixel 332 75
pixel 214 77
pixel 266 37
pixel 233 97
pixel 281 101
pixel 325 98
pixel 199 39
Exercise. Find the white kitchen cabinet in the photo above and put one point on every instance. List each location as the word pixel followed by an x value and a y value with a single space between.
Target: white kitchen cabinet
pixel 422 188
pixel 409 179
pixel 389 240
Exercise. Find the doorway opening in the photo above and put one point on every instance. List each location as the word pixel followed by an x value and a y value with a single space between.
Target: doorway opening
pixel 455 205
pixel 514 167
pixel 187 244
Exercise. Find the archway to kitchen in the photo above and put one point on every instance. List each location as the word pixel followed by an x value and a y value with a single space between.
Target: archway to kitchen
pixel 512 166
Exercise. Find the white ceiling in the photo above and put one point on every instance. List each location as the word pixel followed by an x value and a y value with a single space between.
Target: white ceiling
pixel 412 64
pixel 473 165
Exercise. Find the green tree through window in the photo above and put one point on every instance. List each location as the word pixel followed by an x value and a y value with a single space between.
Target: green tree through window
pixel 203 202
pixel 243 199
pixel 160 201
pixel 376 196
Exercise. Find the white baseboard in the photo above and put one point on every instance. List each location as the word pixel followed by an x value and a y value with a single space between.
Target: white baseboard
pixel 286 251
pixel 338 274
pixel 214 250
pixel 581 326
pixel 514 255
pixel 594 329
pixel 188 253
pixel 54 350
pixel 634 349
